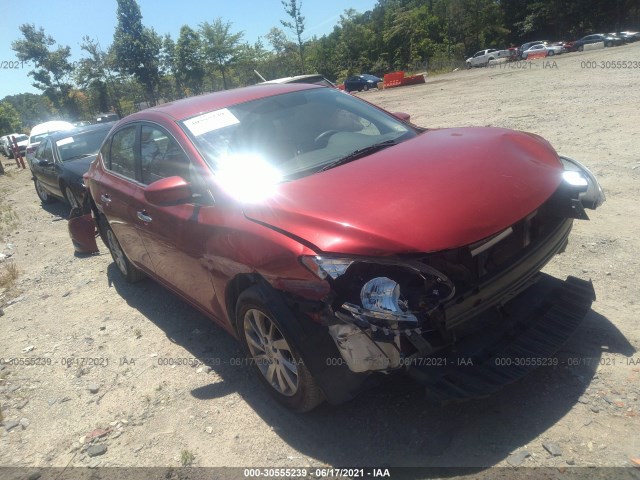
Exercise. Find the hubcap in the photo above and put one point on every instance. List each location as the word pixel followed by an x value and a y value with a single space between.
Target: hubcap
pixel 271 352
pixel 116 252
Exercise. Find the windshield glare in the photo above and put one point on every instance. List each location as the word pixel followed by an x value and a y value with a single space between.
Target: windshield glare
pixel 294 134
pixel 82 145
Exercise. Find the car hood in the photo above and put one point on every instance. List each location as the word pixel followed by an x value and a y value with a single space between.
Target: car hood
pixel 78 167
pixel 442 189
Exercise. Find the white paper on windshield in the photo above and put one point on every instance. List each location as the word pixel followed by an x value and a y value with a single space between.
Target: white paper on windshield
pixel 64 141
pixel 211 121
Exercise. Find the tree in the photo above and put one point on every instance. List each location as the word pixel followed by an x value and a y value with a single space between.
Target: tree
pixel 137 48
pixel 9 118
pixel 32 108
pixel 296 25
pixel 220 45
pixel 52 68
pixel 189 62
pixel 97 73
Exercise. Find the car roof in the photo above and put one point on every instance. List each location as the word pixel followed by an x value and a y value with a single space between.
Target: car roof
pixel 81 130
pixel 189 107
pixel 53 125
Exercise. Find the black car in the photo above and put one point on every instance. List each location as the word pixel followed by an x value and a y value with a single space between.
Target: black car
pixel 608 41
pixel 61 160
pixel 361 82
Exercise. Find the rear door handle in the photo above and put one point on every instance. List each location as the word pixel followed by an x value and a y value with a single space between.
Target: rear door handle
pixel 105 199
pixel 144 217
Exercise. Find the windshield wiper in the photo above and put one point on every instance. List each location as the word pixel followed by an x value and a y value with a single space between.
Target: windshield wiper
pixel 359 153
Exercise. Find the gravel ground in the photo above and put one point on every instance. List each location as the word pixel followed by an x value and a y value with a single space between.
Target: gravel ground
pixel 106 399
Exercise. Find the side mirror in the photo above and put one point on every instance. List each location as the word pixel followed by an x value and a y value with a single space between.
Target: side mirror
pixel 168 191
pixel 405 117
pixel 44 163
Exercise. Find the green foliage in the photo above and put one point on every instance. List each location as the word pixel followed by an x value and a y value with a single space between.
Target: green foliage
pixel 293 9
pixel 32 108
pixel 9 119
pixel 52 68
pixel 142 67
pixel 189 62
pixel 220 46
pixel 136 48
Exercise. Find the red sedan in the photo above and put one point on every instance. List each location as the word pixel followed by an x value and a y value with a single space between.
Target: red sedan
pixel 337 241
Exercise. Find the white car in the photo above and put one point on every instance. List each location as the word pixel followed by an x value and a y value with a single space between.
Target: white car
pixel 6 146
pixel 549 50
pixel 42 130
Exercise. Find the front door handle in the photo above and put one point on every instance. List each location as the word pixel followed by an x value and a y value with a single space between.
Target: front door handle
pixel 105 199
pixel 144 217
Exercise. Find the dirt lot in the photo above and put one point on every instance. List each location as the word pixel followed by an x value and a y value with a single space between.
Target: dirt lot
pixel 68 307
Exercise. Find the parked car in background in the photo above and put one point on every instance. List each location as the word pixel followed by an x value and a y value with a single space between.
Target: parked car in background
pixel 547 50
pixel 107 117
pixel 313 79
pixel 633 36
pixel 42 130
pixel 337 242
pixel 361 82
pixel 62 158
pixel 484 57
pixel 21 140
pixel 626 37
pixel 6 145
pixel 526 46
pixel 606 40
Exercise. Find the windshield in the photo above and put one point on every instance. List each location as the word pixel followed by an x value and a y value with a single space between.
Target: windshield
pixel 291 135
pixel 81 145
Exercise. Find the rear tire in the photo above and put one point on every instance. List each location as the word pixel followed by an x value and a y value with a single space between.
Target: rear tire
pixel 43 195
pixel 550 53
pixel 273 355
pixel 366 88
pixel 129 272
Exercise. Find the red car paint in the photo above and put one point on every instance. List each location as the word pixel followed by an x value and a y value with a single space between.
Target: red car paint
pixel 442 189
pixel 430 193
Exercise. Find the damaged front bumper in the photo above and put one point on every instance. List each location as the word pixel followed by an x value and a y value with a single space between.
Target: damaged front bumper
pixel 493 308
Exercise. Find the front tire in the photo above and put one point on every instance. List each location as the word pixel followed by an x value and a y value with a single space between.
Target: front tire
pixel 71 198
pixel 366 88
pixel 128 271
pixel 273 354
pixel 43 195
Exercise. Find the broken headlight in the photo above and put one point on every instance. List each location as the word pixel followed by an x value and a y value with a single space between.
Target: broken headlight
pixel 381 291
pixel 580 177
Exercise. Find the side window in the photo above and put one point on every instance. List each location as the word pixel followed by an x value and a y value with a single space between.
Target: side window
pixel 39 151
pixel 105 151
pixel 47 153
pixel 161 156
pixel 122 158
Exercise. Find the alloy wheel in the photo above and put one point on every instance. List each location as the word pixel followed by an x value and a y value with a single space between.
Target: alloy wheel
pixel 271 352
pixel 117 253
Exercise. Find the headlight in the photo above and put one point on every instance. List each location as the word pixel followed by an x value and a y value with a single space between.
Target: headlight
pixel 380 299
pixel 577 175
pixel 324 267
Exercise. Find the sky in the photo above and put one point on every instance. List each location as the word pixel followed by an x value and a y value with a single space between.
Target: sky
pixel 67 21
